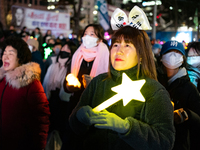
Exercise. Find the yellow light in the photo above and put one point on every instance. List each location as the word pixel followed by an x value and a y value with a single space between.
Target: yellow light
pixel 72 80
pixel 127 91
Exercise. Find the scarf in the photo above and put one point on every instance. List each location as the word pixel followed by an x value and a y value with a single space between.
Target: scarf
pixel 100 55
pixel 55 76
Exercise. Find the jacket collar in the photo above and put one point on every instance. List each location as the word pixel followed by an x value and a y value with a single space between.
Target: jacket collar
pixel 22 75
pixel 117 75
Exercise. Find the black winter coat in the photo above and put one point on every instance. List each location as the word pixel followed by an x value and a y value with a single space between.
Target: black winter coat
pixel 185 95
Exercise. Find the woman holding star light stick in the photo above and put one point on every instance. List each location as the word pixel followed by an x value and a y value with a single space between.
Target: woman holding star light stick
pixel 141 117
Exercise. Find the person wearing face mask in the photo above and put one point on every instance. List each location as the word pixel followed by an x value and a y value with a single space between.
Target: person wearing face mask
pixel 156 48
pixel 36 56
pixel 53 87
pixel 193 69
pixel 52 57
pixel 62 38
pixel 184 95
pixel 89 60
pixel 193 60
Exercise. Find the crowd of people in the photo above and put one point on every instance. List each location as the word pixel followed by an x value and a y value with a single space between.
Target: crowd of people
pixel 55 98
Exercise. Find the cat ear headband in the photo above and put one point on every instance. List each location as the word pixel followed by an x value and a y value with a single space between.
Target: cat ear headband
pixel 137 19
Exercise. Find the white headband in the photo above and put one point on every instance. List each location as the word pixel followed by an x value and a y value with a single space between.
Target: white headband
pixel 137 19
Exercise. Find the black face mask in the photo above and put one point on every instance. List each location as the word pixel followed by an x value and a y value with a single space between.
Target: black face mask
pixel 64 54
pixel 50 45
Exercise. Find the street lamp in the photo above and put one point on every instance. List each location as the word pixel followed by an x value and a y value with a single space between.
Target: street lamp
pixel 154 21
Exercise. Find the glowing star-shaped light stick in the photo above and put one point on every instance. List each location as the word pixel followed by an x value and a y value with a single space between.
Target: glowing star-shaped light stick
pixel 127 91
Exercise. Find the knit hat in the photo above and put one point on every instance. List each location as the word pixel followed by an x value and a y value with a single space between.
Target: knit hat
pixel 33 42
pixel 169 45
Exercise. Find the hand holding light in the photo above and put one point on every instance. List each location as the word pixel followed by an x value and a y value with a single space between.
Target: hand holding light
pixel 107 120
pixel 86 80
pixel 73 83
pixel 84 114
pixel 180 116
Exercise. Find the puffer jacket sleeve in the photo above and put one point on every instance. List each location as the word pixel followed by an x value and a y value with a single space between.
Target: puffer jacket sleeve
pixel 39 114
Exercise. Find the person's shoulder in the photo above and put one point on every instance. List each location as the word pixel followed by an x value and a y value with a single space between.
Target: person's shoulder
pixel 152 86
pixel 101 76
pixel 153 83
pixel 153 89
pixel 183 81
pixel 36 86
pixel 186 83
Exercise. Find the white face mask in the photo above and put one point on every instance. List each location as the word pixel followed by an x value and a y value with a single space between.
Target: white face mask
pixel 60 37
pixel 89 41
pixel 156 51
pixel 30 47
pixel 172 60
pixel 194 61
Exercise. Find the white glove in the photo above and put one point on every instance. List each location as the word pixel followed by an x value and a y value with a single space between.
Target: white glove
pixel 84 114
pixel 107 120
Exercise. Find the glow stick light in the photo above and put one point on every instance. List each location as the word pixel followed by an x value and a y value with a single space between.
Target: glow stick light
pixel 47 52
pixel 127 91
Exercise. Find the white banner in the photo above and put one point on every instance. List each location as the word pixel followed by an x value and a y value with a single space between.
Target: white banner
pixel 103 14
pixel 45 20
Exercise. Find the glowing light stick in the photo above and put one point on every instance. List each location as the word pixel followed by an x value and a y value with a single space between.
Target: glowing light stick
pixel 72 80
pixel 127 91
pixel 47 52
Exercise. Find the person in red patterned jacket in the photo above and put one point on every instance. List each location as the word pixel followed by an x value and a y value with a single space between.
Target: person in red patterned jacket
pixel 24 108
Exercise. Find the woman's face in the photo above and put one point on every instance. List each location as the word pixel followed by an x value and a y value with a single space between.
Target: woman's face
pixel 90 31
pixel 9 58
pixel 123 55
pixel 192 53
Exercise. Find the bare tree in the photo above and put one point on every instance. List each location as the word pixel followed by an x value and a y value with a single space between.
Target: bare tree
pixel 77 16
pixel 76 12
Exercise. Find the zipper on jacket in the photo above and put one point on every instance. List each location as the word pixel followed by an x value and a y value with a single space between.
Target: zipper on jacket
pixel 1 116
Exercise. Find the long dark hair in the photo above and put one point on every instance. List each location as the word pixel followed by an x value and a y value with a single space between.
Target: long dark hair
pixel 72 46
pixel 141 41
pixel 98 30
pixel 195 46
